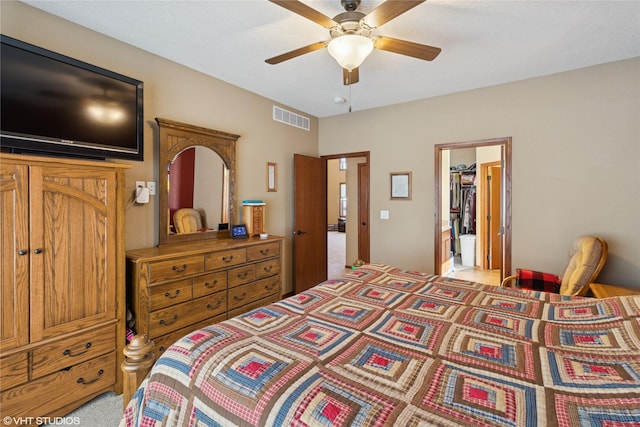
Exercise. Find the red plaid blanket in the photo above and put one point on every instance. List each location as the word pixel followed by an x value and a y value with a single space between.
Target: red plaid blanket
pixel 537 280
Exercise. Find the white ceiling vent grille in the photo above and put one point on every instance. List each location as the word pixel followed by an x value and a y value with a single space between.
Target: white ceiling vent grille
pixel 290 118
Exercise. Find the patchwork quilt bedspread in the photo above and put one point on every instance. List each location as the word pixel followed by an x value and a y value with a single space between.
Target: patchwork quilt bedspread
pixel 390 347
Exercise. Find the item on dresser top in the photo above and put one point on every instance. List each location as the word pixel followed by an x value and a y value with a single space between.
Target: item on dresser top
pixel 239 231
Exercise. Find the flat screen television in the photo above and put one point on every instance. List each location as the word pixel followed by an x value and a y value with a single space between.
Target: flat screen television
pixel 55 105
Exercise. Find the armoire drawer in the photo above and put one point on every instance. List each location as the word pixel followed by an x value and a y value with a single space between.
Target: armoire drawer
pixel 176 317
pixel 45 395
pixel 267 250
pixel 245 294
pixel 175 268
pixel 162 296
pixel 14 370
pixel 72 351
pixel 222 259
pixel 209 283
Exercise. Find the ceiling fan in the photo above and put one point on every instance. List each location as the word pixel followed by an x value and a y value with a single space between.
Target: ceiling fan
pixel 351 34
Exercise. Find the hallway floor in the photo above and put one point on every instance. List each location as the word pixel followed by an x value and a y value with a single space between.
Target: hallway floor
pixel 337 254
pixel 490 277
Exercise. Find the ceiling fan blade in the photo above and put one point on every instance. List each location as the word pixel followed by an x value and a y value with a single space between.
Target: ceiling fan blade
pixel 307 12
pixel 350 78
pixel 403 47
pixel 297 52
pixel 389 10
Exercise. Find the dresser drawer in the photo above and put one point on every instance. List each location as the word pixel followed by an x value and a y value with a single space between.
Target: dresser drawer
pixel 267 268
pixel 240 275
pixel 162 343
pixel 245 294
pixel 253 305
pixel 13 370
pixel 71 351
pixel 210 283
pixel 162 296
pixel 45 395
pixel 267 250
pixel 175 268
pixel 176 317
pixel 222 259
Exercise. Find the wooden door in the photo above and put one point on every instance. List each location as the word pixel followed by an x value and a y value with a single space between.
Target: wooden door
pixel 495 221
pixel 14 250
pixel 363 212
pixel 73 249
pixel 310 222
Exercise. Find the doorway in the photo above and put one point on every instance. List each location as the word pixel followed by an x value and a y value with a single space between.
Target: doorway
pixel 347 211
pixel 310 217
pixel 476 234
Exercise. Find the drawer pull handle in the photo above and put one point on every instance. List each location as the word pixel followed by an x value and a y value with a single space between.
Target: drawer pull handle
pixel 264 252
pixel 67 352
pixel 227 258
pixel 270 287
pixel 240 297
pixel 211 285
pixel 179 269
pixel 242 275
pixel 168 295
pixel 170 322
pixel 213 307
pixel 268 268
pixel 82 380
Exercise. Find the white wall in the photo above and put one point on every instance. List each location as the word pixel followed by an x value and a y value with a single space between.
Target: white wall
pixel 576 164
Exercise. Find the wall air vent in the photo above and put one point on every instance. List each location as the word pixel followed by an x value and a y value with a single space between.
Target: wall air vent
pixel 290 118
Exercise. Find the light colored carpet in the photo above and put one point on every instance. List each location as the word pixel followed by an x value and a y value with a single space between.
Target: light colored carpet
pixel 103 411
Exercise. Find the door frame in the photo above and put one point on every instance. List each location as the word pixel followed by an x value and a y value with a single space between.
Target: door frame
pixel 505 143
pixel 363 199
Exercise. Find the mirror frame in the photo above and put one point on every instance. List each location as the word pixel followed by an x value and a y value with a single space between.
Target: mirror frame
pixel 176 137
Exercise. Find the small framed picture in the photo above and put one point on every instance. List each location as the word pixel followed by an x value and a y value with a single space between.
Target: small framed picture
pixel 239 231
pixel 272 177
pixel 400 185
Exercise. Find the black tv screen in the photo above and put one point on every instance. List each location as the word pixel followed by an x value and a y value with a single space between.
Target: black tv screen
pixel 53 104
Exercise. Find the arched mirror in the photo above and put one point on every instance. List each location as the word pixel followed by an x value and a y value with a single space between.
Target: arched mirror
pixel 197 181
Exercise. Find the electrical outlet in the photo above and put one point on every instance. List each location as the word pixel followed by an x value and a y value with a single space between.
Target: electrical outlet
pixel 139 184
pixel 152 188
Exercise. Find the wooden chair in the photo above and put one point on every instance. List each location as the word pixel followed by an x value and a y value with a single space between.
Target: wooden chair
pixel 586 259
pixel 187 220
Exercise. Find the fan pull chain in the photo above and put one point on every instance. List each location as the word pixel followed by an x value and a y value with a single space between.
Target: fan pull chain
pixel 350 91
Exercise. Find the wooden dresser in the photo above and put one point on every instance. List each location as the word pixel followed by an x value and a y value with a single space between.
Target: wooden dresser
pixel 62 283
pixel 177 288
pixel 600 290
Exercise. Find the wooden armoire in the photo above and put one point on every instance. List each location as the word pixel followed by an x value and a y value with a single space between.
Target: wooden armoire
pixel 62 285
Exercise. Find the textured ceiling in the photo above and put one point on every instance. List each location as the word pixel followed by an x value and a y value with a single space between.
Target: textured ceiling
pixel 484 43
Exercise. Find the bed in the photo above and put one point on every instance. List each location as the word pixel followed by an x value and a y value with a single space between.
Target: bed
pixel 384 346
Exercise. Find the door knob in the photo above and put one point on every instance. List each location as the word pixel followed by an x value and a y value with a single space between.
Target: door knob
pixel 299 232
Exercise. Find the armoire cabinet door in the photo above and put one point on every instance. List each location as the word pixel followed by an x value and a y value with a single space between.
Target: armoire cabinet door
pixel 73 245
pixel 14 251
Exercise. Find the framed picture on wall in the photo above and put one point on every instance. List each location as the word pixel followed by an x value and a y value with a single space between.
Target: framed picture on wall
pixel 272 177
pixel 400 185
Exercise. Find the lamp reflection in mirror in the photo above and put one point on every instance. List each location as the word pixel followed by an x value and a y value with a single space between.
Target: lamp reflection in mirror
pixel 350 50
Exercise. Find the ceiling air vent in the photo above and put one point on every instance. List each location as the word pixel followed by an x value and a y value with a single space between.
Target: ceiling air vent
pixel 290 118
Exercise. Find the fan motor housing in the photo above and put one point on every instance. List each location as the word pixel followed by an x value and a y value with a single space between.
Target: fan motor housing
pixel 349 23
pixel 350 5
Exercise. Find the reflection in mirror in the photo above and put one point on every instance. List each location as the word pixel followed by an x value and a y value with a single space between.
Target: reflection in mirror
pixel 198 190
pixel 197 172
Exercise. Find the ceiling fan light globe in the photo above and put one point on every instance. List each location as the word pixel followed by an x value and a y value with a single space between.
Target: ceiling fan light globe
pixel 350 50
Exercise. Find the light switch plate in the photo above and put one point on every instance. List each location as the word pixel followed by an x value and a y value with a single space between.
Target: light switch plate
pixel 384 214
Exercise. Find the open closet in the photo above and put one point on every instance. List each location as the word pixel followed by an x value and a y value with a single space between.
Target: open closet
pixel 462 199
